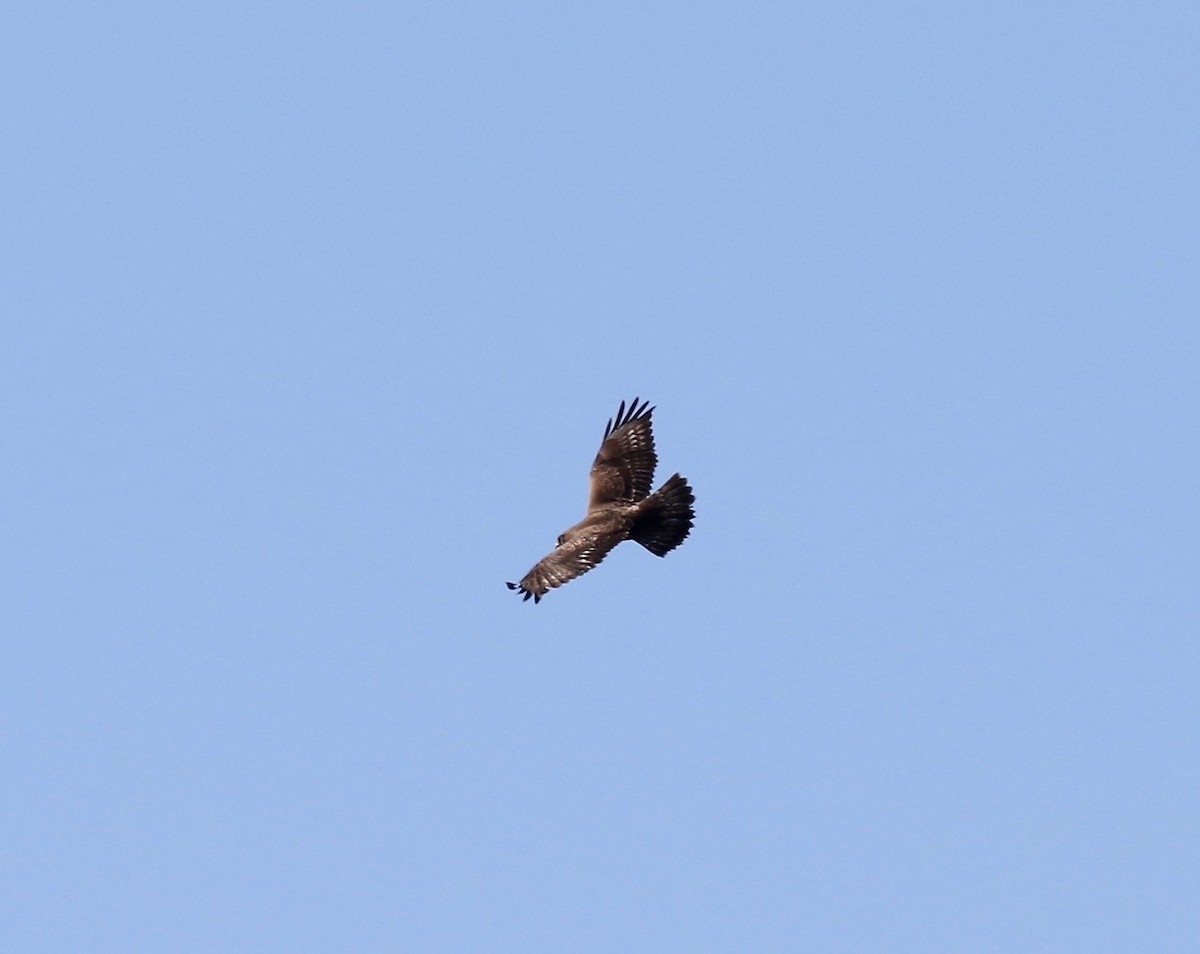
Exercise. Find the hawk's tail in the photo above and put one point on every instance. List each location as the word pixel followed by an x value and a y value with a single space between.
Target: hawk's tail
pixel 664 519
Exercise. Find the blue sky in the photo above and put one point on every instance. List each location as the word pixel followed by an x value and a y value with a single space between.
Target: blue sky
pixel 314 317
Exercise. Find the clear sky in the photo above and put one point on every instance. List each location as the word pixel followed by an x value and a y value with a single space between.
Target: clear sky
pixel 313 314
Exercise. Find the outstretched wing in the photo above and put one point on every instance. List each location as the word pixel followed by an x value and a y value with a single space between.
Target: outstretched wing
pixel 574 558
pixel 624 467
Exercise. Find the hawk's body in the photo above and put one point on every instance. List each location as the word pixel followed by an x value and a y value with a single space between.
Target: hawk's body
pixel 620 506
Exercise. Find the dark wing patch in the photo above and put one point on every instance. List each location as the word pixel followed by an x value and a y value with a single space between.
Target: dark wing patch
pixel 574 558
pixel 624 467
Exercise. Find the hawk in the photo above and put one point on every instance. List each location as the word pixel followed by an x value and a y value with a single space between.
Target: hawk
pixel 620 506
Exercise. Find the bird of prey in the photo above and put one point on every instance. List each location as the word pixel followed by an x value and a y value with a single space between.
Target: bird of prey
pixel 620 506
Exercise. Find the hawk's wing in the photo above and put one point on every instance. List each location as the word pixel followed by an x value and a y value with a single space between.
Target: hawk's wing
pixel 624 467
pixel 564 563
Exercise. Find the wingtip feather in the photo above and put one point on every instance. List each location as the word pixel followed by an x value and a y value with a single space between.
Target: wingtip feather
pixel 636 409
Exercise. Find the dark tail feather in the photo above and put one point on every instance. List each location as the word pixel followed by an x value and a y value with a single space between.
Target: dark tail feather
pixel 665 517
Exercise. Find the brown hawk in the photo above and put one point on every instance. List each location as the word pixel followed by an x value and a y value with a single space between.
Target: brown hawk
pixel 620 506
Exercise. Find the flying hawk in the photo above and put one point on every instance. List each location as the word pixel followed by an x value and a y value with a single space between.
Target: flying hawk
pixel 620 506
